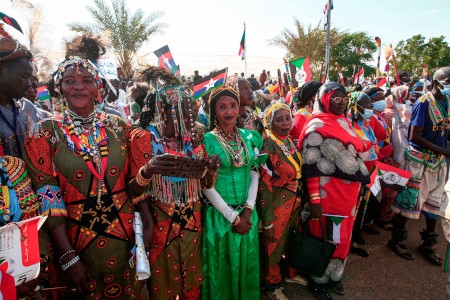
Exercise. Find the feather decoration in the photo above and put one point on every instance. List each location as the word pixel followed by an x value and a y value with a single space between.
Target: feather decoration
pixel 153 74
pixel 88 45
pixel 10 21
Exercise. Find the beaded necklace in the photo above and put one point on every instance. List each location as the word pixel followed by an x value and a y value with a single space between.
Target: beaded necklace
pixel 88 141
pixel 236 155
pixel 289 153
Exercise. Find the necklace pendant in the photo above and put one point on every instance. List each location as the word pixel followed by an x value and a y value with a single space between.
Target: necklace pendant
pixel 237 161
pixel 96 158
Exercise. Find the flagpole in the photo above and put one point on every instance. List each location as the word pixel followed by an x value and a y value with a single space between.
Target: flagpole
pixel 245 51
pixel 327 50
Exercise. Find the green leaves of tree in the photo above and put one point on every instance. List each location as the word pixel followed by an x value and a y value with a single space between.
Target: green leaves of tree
pixel 127 30
pixel 414 51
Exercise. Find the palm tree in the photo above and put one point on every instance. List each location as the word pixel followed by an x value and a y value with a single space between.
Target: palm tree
pixel 128 31
pixel 310 42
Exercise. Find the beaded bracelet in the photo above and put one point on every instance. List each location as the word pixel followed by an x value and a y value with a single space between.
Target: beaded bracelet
pixel 268 227
pixel 141 180
pixel 65 254
pixel 70 263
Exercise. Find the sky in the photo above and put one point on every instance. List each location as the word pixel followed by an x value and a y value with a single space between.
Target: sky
pixel 206 27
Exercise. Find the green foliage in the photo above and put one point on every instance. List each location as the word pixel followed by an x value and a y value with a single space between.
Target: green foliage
pixel 345 54
pixel 415 51
pixel 128 31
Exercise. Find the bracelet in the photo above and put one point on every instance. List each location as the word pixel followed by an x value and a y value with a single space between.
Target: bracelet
pixel 268 227
pixel 140 180
pixel 64 255
pixel 236 221
pixel 248 206
pixel 70 263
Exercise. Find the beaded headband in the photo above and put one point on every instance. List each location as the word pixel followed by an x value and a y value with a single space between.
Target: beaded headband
pixel 78 61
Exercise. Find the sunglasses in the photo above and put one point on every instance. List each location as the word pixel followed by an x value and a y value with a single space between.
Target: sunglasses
pixel 340 99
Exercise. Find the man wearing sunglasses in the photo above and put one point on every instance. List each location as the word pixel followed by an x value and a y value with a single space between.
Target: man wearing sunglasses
pixel 425 158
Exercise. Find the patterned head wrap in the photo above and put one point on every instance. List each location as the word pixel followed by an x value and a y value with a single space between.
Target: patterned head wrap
pixel 270 113
pixel 326 91
pixel 215 95
pixel 233 82
pixel 78 61
pixel 11 49
pixel 355 98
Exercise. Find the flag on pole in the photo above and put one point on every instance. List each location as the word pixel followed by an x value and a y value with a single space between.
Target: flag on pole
pixel 242 46
pixel 302 73
pixel 166 60
pixel 390 175
pixel 325 14
pixel 209 83
pixel 359 77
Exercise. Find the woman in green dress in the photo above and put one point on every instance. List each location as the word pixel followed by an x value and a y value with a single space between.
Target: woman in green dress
pixel 230 224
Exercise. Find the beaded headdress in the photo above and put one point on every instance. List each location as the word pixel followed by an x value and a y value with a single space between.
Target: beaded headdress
pixel 88 65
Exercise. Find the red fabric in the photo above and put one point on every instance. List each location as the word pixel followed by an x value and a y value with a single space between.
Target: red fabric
pixel 326 100
pixel 7 286
pixel 378 129
pixel 299 122
pixel 331 129
pixel 339 197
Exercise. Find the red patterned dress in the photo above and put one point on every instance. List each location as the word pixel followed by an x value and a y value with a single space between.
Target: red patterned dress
pixel 175 256
pixel 279 203
pixel 100 229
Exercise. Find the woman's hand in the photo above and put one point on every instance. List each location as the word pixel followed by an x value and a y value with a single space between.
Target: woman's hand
pixel 28 289
pixel 316 211
pixel 269 235
pixel 79 278
pixel 160 164
pixel 245 225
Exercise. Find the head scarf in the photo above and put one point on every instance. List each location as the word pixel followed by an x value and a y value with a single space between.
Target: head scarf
pixel 325 93
pixel 308 90
pixel 215 95
pixel 78 61
pixel 270 113
pixel 355 98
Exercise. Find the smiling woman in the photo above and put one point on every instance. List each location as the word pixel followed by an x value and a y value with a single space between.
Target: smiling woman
pixel 83 187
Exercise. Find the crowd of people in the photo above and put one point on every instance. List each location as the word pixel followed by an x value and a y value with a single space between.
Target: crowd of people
pixel 220 183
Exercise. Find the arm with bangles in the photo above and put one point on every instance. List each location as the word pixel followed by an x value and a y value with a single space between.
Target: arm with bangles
pixel 314 197
pixel 72 266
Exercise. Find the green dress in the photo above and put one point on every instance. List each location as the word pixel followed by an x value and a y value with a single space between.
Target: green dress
pixel 230 260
